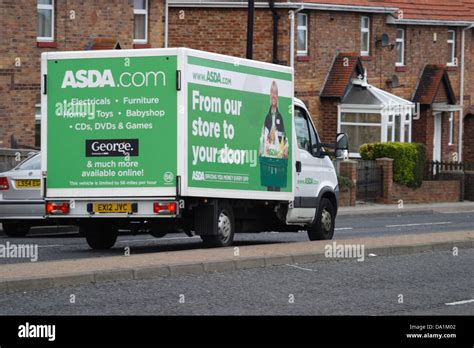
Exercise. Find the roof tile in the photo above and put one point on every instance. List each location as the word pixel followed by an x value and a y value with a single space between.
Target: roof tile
pixel 448 10
pixel 345 66
pixel 431 79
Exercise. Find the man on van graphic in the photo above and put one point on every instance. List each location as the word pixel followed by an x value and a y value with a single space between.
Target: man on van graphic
pixel 273 146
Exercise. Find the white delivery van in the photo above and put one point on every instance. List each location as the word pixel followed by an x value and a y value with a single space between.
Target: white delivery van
pixel 176 139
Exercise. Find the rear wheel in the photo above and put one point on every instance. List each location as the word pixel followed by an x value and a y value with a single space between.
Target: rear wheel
pixel 15 228
pixel 323 225
pixel 99 237
pixel 225 229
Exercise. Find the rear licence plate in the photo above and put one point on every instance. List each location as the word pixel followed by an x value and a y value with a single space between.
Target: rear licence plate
pixel 112 208
pixel 27 183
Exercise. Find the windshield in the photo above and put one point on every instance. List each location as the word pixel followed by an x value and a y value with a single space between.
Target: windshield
pixel 33 163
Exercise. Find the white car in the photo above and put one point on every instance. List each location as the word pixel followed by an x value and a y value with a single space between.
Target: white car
pixel 21 204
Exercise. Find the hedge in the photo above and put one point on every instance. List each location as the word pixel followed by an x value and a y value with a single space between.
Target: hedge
pixel 345 183
pixel 408 160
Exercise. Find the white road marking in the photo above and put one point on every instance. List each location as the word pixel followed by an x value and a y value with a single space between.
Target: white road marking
pixel 301 268
pixel 459 302
pixel 50 246
pixel 420 224
pixel 343 228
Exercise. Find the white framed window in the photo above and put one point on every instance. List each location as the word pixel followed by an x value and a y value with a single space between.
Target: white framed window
pixel 302 29
pixel 140 21
pixel 45 12
pixel 400 47
pixel 361 127
pixel 452 61
pixel 451 128
pixel 364 36
pixel 371 125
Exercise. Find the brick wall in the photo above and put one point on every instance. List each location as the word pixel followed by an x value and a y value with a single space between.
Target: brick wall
pixel 468 149
pixel 20 86
pixel 469 186
pixel 429 192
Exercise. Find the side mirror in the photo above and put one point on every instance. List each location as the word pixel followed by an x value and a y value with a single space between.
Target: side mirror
pixel 342 146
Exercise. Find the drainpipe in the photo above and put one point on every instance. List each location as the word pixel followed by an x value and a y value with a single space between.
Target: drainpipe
pixel 166 23
pixel 276 17
pixel 461 94
pixel 292 34
pixel 250 15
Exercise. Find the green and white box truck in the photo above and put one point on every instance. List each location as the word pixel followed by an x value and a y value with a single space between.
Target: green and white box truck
pixel 166 140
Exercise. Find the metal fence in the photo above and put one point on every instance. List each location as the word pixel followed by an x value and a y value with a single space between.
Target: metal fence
pixel 369 181
pixel 433 169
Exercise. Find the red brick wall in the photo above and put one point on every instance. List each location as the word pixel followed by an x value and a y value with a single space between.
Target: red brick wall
pixel 429 192
pixel 20 86
pixel 468 149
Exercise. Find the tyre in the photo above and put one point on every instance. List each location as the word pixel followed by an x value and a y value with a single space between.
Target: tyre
pixel 15 228
pixel 225 229
pixel 99 237
pixel 158 233
pixel 323 225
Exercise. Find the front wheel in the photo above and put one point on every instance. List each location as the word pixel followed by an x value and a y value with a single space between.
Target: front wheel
pixel 322 227
pixel 15 229
pixel 99 237
pixel 225 229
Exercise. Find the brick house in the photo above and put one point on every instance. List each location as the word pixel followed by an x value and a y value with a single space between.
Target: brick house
pixel 30 27
pixel 395 44
pixel 417 35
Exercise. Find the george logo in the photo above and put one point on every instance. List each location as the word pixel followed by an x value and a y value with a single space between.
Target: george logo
pixel 112 147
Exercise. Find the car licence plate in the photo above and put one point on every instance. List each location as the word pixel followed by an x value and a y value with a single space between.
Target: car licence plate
pixel 35 183
pixel 112 208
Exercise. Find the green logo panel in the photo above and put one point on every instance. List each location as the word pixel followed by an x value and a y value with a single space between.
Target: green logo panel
pixel 236 142
pixel 112 122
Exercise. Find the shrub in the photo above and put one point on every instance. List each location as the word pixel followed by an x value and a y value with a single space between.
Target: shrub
pixel 345 184
pixel 408 160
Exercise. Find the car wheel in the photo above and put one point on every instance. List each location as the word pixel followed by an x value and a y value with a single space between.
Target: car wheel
pixel 225 229
pixel 99 237
pixel 323 225
pixel 158 233
pixel 15 229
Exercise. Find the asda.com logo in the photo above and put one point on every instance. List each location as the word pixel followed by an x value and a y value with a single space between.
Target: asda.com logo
pixel 105 78
pixel 112 147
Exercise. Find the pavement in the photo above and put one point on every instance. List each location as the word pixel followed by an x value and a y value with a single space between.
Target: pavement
pixel 48 274
pixel 373 208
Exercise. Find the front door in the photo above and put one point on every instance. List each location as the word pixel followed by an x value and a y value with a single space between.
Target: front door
pixel 437 137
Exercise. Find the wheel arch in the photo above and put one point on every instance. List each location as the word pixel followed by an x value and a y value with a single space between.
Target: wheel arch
pixel 329 193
